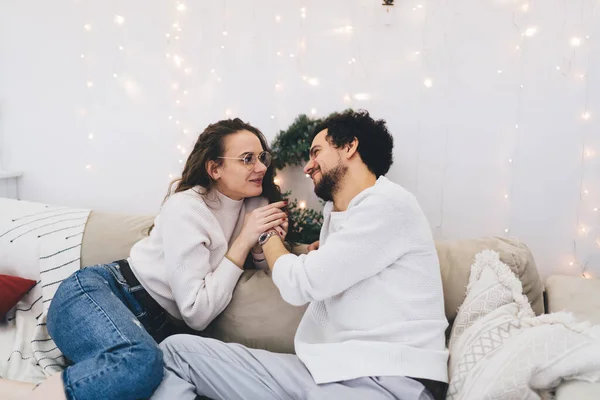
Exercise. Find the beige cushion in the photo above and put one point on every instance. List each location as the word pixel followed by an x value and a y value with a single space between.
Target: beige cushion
pixel 257 316
pixel 576 295
pixel 457 256
pixel 109 237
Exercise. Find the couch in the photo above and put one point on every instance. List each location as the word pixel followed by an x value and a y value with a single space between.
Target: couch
pixel 257 316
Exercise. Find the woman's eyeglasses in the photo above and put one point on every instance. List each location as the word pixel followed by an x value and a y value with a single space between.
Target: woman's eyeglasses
pixel 251 158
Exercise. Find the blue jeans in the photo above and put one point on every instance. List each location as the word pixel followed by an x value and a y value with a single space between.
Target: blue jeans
pixel 102 329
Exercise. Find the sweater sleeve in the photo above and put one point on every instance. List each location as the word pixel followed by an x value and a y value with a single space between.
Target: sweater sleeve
pixel 373 236
pixel 200 293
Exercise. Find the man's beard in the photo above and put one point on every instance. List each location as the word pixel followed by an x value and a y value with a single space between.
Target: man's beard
pixel 330 182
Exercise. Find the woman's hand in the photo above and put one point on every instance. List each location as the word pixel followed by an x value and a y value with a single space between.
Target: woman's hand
pixel 282 229
pixel 261 220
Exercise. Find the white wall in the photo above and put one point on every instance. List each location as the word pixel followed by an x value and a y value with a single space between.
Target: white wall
pixel 453 139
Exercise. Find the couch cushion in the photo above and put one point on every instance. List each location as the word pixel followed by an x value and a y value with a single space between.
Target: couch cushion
pixel 109 237
pixel 257 316
pixel 576 295
pixel 457 256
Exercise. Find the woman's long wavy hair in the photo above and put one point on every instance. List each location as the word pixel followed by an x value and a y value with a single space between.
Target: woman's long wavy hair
pixel 209 147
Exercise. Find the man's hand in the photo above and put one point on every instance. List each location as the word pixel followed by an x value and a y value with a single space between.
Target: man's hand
pixel 313 246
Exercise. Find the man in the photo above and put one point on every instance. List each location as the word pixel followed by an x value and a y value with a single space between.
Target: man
pixel 375 325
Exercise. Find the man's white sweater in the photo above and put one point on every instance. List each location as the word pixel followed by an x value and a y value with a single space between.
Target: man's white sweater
pixel 182 263
pixel 375 291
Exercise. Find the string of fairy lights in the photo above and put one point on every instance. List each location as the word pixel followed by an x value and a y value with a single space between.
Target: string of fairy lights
pixel 180 85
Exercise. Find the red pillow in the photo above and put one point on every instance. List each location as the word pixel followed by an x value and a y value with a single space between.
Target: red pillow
pixel 12 288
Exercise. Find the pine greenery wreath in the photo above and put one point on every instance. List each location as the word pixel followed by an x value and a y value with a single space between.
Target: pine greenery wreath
pixel 291 147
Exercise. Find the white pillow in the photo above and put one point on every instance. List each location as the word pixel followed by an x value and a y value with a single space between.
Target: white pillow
pixel 499 349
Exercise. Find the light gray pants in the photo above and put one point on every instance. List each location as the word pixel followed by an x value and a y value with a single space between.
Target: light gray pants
pixel 199 366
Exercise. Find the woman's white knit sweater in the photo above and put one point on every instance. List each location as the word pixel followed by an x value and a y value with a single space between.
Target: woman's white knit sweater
pixel 375 291
pixel 182 262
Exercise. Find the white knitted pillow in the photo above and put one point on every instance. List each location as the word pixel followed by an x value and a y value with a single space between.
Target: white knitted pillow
pixel 499 349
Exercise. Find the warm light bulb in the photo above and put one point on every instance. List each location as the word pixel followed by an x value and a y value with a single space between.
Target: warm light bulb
pixel 313 81
pixel 313 111
pixel 115 76
pixel 90 84
pixel 272 117
pixel 87 27
pixel 121 48
pixel 278 53
pixel 586 191
pixel 88 166
pixel 91 136
pixel 291 55
pixel 188 71
pixel 177 60
pixel 222 46
pixel 82 56
pixel 185 92
pixel 276 181
pixel 277 86
pixel 277 18
pixel 119 20
pixel 170 117
pixel 228 112
pixel 575 41
pixel 302 204
pixel 531 31
pixel 499 71
pixel 181 7
pixel 177 101
pixel 596 209
pixel 517 126
pixel 557 68
pixel 525 7
pixel 175 85
pixel 571 264
pixel 362 96
pixel 177 122
pixel 586 115
pixel 428 83
pixel 347 98
pixel 586 275
pixel 180 161
pixel 224 33
pixel 506 230
pixel 307 175
pixel 510 160
pixel 168 35
pixel 185 131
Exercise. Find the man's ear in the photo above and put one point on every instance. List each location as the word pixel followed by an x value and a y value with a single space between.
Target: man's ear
pixel 213 169
pixel 351 148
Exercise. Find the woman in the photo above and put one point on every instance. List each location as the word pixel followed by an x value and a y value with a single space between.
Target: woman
pixel 107 319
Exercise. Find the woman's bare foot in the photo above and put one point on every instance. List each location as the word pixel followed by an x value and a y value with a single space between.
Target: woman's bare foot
pixel 13 390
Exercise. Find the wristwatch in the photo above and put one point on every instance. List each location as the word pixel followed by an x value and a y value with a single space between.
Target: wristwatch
pixel 262 239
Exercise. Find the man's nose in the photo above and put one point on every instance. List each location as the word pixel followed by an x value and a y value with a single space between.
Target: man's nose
pixel 309 166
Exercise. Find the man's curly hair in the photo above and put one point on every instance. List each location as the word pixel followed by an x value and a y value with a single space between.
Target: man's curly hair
pixel 375 143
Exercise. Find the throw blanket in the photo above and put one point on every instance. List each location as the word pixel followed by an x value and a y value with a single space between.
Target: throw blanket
pixel 499 349
pixel 42 243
